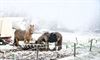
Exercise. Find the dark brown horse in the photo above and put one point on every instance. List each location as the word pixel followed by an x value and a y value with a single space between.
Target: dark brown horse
pixel 23 35
pixel 50 38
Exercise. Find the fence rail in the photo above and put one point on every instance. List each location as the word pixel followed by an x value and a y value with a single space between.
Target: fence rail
pixel 38 46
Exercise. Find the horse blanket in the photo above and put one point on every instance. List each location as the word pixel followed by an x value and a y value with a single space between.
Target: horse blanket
pixel 52 38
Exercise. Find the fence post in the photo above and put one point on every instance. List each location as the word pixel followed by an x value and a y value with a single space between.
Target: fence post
pixel 74 49
pixel 4 56
pixel 14 57
pixel 37 49
pixel 76 40
pixel 91 44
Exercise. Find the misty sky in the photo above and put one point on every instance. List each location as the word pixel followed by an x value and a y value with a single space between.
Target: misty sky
pixel 70 14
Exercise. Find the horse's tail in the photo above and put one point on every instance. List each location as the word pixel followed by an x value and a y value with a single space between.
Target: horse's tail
pixel 14 43
pixel 59 38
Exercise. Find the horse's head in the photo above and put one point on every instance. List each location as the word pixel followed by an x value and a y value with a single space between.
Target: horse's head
pixel 31 29
pixel 36 42
pixel 46 34
pixel 39 42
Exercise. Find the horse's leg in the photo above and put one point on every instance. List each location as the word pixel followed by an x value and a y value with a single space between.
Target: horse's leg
pixel 17 42
pixel 59 44
pixel 25 41
pixel 14 43
pixel 55 45
pixel 28 41
pixel 47 46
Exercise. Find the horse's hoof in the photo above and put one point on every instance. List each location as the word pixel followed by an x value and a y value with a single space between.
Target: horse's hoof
pixel 59 48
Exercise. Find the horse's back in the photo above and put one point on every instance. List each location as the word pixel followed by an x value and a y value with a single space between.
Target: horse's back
pixel 58 34
pixel 19 34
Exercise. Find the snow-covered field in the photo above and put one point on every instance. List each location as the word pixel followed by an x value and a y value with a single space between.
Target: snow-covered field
pixel 82 51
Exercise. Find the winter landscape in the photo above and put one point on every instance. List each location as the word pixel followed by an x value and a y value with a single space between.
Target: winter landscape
pixel 67 52
pixel 77 21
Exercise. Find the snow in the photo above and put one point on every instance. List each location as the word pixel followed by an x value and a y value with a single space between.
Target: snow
pixel 82 51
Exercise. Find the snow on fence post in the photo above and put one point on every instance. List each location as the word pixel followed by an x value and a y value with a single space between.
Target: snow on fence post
pixel 74 49
pixel 91 42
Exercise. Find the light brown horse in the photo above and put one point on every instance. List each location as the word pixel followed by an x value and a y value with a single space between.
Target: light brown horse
pixel 23 35
pixel 50 38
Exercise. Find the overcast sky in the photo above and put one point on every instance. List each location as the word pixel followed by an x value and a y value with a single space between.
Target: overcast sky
pixel 70 14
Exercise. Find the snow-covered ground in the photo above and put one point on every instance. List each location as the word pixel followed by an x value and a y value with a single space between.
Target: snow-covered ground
pixel 82 51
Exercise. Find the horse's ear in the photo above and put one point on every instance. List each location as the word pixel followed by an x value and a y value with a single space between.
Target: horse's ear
pixel 32 25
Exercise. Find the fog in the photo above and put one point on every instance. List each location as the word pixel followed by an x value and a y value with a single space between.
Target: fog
pixel 66 15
